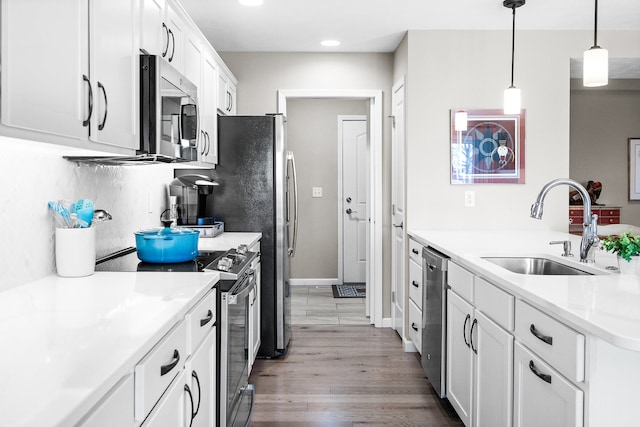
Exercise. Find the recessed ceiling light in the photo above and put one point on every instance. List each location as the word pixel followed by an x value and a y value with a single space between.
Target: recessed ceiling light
pixel 330 43
pixel 251 2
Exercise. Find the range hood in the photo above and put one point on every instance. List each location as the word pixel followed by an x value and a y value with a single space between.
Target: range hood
pixel 136 160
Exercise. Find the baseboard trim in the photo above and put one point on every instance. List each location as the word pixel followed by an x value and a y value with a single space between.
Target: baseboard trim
pixel 313 282
pixel 387 322
pixel 409 346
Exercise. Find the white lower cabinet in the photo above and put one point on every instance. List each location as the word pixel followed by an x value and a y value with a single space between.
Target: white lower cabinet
pixel 115 409
pixel 542 396
pixel 175 407
pixel 254 309
pixel 479 366
pixel 201 379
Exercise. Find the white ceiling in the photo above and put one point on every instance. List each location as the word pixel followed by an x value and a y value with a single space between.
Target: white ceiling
pixel 379 25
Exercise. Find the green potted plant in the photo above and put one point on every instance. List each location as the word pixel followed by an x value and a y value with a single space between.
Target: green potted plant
pixel 625 246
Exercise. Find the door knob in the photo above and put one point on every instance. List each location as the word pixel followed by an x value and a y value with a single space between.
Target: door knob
pixel 349 211
pixel 348 199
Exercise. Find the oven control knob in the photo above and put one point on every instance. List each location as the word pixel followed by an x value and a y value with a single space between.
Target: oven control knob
pixel 225 264
pixel 242 249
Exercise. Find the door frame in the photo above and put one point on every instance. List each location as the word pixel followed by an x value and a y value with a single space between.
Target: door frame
pixel 341 120
pixel 374 258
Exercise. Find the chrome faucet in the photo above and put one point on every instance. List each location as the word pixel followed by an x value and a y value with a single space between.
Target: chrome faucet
pixel 589 228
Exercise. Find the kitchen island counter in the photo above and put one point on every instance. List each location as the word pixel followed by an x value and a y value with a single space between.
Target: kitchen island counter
pixel 605 305
pixel 67 341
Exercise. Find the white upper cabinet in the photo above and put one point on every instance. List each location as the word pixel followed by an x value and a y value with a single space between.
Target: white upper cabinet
pixel 47 83
pixel 154 33
pixel 44 62
pixel 226 92
pixel 208 90
pixel 176 27
pixel 114 63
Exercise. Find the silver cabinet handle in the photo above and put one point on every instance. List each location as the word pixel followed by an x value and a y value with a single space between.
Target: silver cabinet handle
pixel 166 31
pixel 350 211
pixel 173 45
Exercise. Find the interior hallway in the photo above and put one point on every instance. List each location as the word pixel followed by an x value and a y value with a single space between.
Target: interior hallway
pixel 315 305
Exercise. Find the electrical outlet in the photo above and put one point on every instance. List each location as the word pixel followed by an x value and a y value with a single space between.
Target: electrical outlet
pixel 469 199
pixel 316 192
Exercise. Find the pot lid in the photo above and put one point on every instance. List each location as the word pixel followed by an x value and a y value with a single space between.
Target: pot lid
pixel 162 232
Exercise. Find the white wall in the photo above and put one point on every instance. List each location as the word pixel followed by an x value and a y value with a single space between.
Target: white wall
pixel 470 70
pixel 35 173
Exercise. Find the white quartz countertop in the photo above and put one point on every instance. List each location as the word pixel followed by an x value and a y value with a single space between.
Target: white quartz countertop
pixel 66 341
pixel 606 305
pixel 228 240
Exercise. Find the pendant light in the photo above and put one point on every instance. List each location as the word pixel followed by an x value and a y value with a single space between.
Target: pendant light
pixel 595 64
pixel 512 93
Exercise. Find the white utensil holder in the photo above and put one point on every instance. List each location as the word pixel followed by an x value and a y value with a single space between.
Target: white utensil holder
pixel 75 251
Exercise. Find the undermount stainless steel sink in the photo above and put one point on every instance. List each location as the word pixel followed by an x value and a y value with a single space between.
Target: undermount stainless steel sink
pixel 536 266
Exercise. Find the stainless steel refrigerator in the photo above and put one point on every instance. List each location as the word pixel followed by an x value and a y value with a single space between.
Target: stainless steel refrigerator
pixel 258 194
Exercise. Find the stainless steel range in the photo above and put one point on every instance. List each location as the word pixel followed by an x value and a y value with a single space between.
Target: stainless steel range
pixel 237 280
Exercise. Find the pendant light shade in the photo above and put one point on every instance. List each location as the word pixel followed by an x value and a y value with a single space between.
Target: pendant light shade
pixel 460 121
pixel 512 94
pixel 595 64
pixel 512 103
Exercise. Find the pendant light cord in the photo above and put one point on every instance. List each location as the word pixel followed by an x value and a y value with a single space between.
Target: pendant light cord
pixel 513 42
pixel 595 27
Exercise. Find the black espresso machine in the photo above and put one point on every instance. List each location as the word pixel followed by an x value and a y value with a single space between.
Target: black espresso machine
pixel 190 192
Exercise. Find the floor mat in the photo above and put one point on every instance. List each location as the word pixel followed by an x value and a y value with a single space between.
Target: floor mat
pixel 349 290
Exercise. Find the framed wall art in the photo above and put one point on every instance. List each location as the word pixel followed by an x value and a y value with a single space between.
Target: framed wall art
pixel 634 168
pixel 490 150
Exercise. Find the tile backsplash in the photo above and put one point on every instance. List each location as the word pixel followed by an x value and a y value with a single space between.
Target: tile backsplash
pixel 35 173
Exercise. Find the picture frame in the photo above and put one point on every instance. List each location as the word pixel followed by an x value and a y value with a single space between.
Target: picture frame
pixel 634 168
pixel 491 150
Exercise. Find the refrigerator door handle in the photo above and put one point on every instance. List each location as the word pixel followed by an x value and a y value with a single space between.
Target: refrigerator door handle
pixel 294 239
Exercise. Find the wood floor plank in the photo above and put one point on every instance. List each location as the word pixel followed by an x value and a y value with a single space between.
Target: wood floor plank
pixel 346 376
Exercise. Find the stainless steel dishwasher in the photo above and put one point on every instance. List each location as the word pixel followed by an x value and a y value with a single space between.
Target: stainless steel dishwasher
pixel 434 316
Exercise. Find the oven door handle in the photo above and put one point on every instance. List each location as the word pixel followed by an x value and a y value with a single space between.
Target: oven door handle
pixel 242 288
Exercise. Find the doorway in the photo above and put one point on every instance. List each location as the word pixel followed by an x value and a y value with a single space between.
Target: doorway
pixel 373 269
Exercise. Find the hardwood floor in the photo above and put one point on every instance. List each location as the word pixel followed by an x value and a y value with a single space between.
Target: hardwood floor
pixel 339 376
pixel 315 305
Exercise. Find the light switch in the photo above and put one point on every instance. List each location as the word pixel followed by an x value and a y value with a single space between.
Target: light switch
pixel 316 192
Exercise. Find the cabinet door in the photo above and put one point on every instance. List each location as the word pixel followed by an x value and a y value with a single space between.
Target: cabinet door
pixel 115 409
pixel 459 356
pixel 154 34
pixel 493 389
pixel 174 409
pixel 201 378
pixel 176 27
pixel 114 73
pixel 193 60
pixel 44 58
pixel 208 111
pixel 542 397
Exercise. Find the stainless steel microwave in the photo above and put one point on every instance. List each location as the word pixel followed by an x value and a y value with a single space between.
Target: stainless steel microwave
pixel 169 119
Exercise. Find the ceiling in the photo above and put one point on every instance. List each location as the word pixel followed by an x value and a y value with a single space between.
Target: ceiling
pixel 379 25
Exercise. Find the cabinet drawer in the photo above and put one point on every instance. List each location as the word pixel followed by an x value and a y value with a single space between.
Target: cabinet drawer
pixel 175 408
pixel 555 342
pixel 154 372
pixel 415 325
pixel 576 212
pixel 542 397
pixel 415 251
pixel 115 409
pixel 610 212
pixel 415 283
pixel 200 320
pixel 609 220
pixel 460 281
pixel 495 303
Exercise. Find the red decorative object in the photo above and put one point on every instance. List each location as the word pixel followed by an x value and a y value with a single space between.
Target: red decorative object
pixel 491 150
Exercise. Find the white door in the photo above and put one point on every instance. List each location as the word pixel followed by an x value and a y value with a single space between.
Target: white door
pixel 355 173
pixel 114 73
pixel 459 356
pixel 397 200
pixel 493 402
